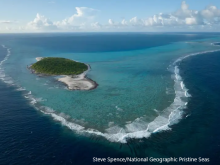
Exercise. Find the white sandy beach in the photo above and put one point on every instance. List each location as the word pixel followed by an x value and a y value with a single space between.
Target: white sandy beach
pixel 77 82
pixel 39 58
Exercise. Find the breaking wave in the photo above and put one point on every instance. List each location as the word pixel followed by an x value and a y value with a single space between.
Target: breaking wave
pixel 6 79
pixel 139 128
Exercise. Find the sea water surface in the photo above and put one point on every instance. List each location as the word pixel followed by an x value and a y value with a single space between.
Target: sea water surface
pixel 148 87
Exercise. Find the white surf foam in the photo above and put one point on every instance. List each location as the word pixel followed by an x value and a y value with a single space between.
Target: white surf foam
pixel 32 99
pixel 118 109
pixel 139 128
pixel 21 89
pixel 169 91
pixel 6 79
pixel 9 80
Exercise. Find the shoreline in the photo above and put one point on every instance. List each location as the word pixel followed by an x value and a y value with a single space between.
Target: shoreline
pixel 79 82
pixel 76 82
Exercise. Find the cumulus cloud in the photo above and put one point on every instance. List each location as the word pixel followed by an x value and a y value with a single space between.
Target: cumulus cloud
pixel 96 25
pixel 211 14
pixel 111 22
pixel 136 22
pixel 85 19
pixel 124 22
pixel 41 23
pixel 191 21
pixel 183 17
pixel 184 11
pixel 84 16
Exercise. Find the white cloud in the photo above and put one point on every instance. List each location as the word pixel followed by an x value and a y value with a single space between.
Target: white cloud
pixel 85 19
pixel 111 22
pixel 82 20
pixel 84 16
pixel 124 22
pixel 211 14
pixel 182 18
pixel 184 11
pixel 41 23
pixel 191 21
pixel 186 16
pixel 96 25
pixel 136 22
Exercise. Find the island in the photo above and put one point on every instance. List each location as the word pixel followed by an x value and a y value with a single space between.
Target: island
pixel 71 73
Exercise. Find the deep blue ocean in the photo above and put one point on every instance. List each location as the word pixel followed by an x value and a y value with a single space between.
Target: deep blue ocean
pixel 158 96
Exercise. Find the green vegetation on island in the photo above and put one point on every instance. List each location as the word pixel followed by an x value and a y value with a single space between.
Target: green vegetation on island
pixel 58 66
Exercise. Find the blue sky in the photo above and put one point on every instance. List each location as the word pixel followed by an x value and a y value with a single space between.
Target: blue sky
pixel 109 15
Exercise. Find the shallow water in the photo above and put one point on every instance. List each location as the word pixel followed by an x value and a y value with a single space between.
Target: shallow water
pixel 136 89
pixel 131 100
